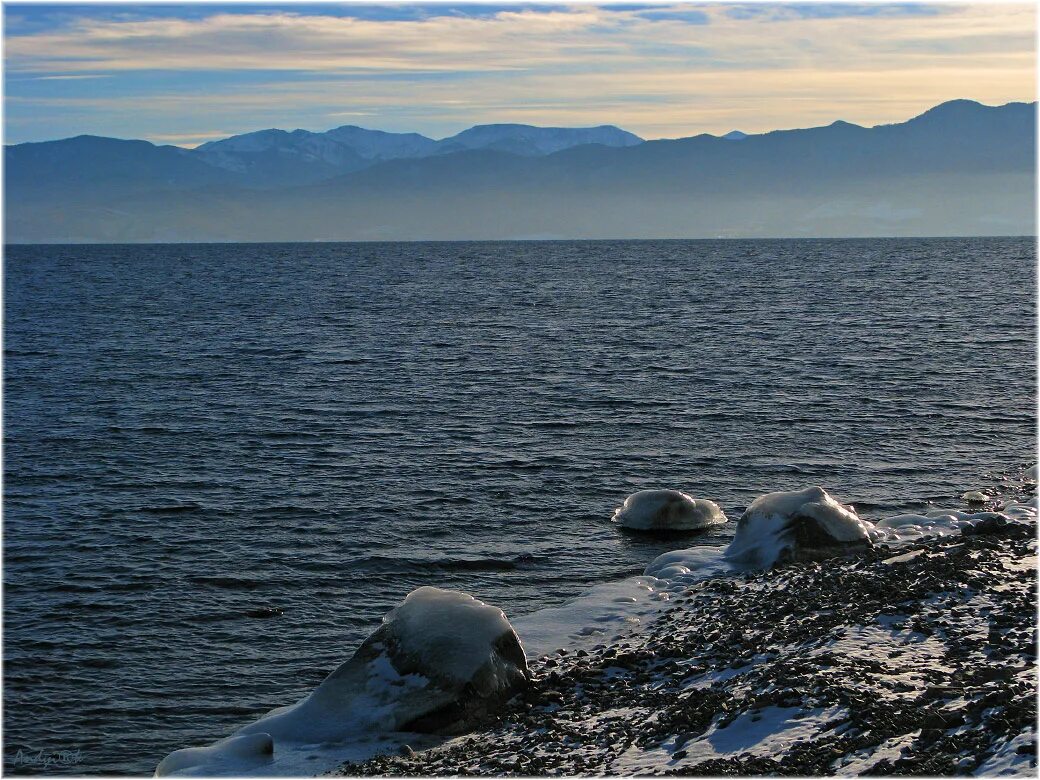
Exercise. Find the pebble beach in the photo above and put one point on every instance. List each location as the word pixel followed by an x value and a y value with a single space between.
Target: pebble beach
pixel 911 660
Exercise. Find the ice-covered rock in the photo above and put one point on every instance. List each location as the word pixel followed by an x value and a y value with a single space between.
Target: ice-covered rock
pixel 667 510
pixel 1032 473
pixel 976 497
pixel 800 525
pixel 439 663
pixel 466 648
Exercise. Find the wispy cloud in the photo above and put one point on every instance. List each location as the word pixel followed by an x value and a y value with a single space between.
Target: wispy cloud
pixel 72 76
pixel 659 70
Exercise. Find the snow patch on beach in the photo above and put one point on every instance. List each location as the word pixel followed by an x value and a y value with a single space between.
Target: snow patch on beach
pixel 1008 762
pixel 766 732
pixel 909 657
pixel 863 760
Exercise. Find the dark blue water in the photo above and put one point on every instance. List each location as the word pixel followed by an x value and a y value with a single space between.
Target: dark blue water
pixel 225 462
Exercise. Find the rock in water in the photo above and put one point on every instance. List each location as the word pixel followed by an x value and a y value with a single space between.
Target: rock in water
pixel 797 526
pixel 667 510
pixel 440 662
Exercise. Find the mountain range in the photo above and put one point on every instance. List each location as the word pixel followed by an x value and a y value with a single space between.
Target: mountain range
pixel 960 168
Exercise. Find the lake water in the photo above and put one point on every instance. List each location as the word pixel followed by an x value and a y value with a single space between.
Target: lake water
pixel 224 463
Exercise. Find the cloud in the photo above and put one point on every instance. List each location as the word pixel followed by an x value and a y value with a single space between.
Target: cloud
pixel 793 11
pixel 677 14
pixel 289 41
pixel 72 76
pixel 659 70
pixel 521 39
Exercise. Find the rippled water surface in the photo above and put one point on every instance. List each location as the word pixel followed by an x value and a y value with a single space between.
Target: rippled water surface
pixel 225 462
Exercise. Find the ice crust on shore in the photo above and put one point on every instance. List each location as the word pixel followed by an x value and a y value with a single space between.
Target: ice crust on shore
pixel 911 527
pixel 602 614
pixel 231 755
pixel 667 510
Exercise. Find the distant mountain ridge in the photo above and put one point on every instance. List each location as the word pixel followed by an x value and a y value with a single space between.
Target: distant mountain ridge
pixel 272 157
pixel 279 158
pixel 960 168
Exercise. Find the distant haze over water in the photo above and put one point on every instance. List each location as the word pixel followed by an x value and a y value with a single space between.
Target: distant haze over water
pixel 960 168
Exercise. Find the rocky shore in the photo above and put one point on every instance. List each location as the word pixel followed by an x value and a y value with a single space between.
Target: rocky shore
pixel 917 660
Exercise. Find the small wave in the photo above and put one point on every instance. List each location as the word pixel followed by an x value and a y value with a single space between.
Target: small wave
pixel 291 509
pixel 167 509
pixel 12 352
pixel 264 612
pixel 477 564
pixel 99 663
pixel 447 500
pixel 130 587
pixel 227 583
pixel 270 351
pixel 380 563
pixel 58 587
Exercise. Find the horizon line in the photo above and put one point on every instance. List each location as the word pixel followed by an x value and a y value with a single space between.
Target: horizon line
pixel 1033 236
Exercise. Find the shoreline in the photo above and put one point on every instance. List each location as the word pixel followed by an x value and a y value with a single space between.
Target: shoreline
pixel 911 659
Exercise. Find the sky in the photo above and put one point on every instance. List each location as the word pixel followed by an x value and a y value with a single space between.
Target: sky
pixel 185 74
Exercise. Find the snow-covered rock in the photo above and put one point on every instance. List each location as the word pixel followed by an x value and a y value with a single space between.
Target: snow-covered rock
pixel 439 663
pixel 799 525
pixel 457 642
pixel 976 497
pixel 667 510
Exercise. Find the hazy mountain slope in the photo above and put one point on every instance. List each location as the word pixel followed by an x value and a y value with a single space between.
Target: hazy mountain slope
pixel 93 167
pixel 530 141
pixel 378 145
pixel 276 158
pixel 959 169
